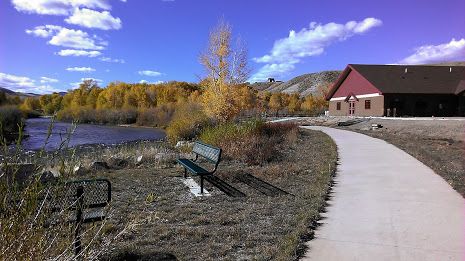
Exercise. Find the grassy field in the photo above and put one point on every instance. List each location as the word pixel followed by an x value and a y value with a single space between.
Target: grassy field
pixel 170 220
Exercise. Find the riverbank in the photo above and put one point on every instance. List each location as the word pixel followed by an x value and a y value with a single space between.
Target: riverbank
pixel 40 136
pixel 171 220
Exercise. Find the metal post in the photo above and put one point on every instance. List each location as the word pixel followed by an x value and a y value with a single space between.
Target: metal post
pixel 77 229
pixel 201 184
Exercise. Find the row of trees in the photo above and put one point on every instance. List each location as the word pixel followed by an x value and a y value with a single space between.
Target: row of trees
pixel 223 93
pixel 89 100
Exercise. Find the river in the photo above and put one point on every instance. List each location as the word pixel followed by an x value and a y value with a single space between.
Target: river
pixel 37 130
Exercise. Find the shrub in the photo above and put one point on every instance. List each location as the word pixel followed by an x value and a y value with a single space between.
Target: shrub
pixel 157 117
pixel 10 119
pixel 103 116
pixel 188 121
pixel 253 142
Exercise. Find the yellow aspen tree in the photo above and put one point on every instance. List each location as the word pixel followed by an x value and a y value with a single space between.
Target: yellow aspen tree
pixel 226 66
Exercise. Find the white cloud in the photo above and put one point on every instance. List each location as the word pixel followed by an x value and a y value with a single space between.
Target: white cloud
pixel 71 52
pixel 94 19
pixel 110 60
pixel 61 36
pixel 24 84
pixel 75 85
pixel 312 41
pixel 44 79
pixel 57 7
pixel 77 39
pixel 44 31
pixel 273 70
pixel 80 69
pixel 94 79
pixel 451 51
pixel 147 82
pixel 150 73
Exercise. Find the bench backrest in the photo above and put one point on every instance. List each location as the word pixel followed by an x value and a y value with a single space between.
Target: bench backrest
pixel 212 154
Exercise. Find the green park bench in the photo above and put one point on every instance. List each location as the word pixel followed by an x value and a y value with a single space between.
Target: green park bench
pixel 201 150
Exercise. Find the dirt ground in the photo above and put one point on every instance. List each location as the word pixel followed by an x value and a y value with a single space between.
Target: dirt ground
pixel 171 222
pixel 438 143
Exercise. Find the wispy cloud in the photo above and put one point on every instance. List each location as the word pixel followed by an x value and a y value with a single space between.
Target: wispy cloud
pixel 312 41
pixel 147 82
pixel 57 7
pixel 110 60
pixel 25 84
pixel 80 69
pixel 451 51
pixel 94 19
pixel 150 73
pixel 72 52
pixel 44 79
pixel 44 31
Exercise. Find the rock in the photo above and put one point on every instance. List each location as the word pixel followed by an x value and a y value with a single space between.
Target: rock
pixel 47 176
pixel 140 160
pixel 79 170
pixel 20 171
pixel 99 165
pixel 184 144
pixel 118 163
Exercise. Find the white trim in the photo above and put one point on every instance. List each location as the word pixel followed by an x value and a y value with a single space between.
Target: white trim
pixel 358 96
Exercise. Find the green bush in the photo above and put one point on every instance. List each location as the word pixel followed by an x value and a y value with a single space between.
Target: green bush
pixel 10 119
pixel 188 122
pixel 253 142
pixel 230 131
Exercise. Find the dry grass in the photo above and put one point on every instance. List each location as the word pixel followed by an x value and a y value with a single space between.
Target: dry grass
pixel 219 227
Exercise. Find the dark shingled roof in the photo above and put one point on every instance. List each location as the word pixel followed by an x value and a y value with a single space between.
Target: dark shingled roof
pixel 424 79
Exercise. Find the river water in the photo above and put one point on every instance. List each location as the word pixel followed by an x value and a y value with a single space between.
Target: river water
pixel 37 130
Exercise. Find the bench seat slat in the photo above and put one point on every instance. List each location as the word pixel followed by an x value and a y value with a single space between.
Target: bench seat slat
pixel 192 167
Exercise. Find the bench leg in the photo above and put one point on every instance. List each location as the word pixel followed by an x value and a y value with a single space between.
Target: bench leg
pixel 201 184
pixel 185 173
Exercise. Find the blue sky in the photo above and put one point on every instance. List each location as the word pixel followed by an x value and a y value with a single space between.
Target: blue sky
pixel 51 45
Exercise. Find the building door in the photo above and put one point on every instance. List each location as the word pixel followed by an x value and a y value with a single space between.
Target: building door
pixel 351 108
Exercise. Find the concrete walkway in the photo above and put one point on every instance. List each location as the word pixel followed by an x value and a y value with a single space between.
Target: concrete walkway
pixel 387 206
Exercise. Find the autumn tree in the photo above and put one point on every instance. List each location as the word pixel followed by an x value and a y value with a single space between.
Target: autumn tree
pixel 30 104
pixel 3 98
pixel 226 66
pixel 294 103
pixel 276 102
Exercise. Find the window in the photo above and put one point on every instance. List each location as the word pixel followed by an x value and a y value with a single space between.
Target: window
pixel 367 104
pixel 338 106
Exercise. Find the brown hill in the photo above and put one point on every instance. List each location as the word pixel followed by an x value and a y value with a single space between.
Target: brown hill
pixel 304 84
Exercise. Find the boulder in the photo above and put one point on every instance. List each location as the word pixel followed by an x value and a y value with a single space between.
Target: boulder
pixel 99 165
pixel 20 171
pixel 79 170
pixel 117 163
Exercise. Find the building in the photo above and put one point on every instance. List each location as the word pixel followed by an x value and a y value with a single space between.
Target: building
pixel 398 90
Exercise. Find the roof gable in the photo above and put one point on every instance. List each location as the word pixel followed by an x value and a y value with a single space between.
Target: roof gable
pixel 424 79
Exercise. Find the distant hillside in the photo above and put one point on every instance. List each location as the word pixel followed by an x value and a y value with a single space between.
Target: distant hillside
pixel 5 90
pixel 303 84
pixel 20 94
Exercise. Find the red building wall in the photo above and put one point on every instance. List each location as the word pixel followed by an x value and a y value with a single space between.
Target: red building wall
pixel 356 84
